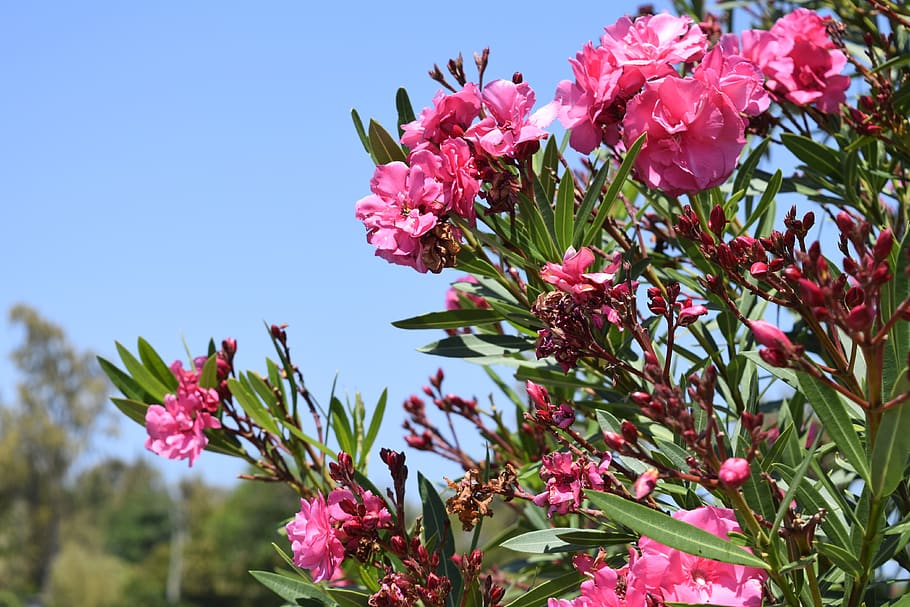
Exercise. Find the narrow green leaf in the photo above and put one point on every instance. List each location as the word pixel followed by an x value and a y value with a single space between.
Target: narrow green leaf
pixel 897 347
pixel 477 346
pixel 146 380
pixel 276 380
pixel 384 146
pixel 349 598
pixel 592 195
pixel 362 134
pixel 555 588
pixel 132 409
pixel 765 202
pixel 891 450
pixel 564 217
pixel 208 378
pixel 291 589
pixel 252 406
pixel 405 109
pixel 122 381
pixel 794 483
pixel 157 366
pixel 672 532
pixel 262 389
pixel 832 411
pixel 450 319
pixel 747 167
pixel 540 236
pixel 342 425
pixel 564 539
pixel 548 168
pixel 375 422
pixel 619 179
pixel 817 156
pixel 844 559
pixel 436 524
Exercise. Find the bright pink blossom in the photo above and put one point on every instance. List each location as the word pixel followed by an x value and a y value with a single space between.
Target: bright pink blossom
pixel 566 478
pixel 695 135
pixel 800 60
pixel 314 541
pixel 450 117
pixel 605 587
pixel 509 128
pixel 176 430
pixel 570 276
pixel 741 80
pixel 405 204
pixel 593 105
pixel 459 177
pixel 675 576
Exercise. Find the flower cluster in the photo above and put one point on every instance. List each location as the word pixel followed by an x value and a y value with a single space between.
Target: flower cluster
pixel 452 160
pixel 630 85
pixel 799 59
pixel 657 574
pixel 566 478
pixel 176 429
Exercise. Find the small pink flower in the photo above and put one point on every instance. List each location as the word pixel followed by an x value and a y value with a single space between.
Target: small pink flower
pixel 566 478
pixel 689 313
pixel 510 128
pixel 538 394
pixel 314 541
pixel 695 135
pixel 450 117
pixel 734 471
pixel 800 60
pixel 741 80
pixel 405 205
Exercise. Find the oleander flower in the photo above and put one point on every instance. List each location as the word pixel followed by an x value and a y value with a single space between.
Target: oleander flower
pixel 405 205
pixel 176 430
pixel 741 80
pixel 695 135
pixel 510 129
pixel 800 60
pixel 314 541
pixel 450 117
pixel 675 576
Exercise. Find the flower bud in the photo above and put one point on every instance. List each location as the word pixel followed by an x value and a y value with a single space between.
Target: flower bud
pixel 645 483
pixel 759 269
pixel 854 297
pixel 860 318
pixel 844 222
pixel 717 221
pixel 734 472
pixel 538 394
pixel 768 335
pixel 883 245
pixel 629 431
pixel 614 441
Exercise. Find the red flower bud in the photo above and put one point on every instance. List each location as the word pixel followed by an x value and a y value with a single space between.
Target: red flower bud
pixel 811 293
pixel 769 336
pixel 759 269
pixel 629 431
pixel 883 245
pixel 854 297
pixel 645 483
pixel 614 441
pixel 860 318
pixel 717 221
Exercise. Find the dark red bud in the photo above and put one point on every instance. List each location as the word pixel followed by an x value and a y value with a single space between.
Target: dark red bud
pixel 860 318
pixel 845 223
pixel 717 221
pixel 759 269
pixel 883 245
pixel 854 297
pixel 629 431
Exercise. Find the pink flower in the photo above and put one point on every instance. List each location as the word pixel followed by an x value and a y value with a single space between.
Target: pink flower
pixel 689 313
pixel 695 135
pixel 566 478
pixel 735 76
pixel 405 205
pixel 509 128
pixel 593 105
pixel 459 177
pixel 314 541
pixel 800 60
pixel 645 483
pixel 177 429
pixel 675 576
pixel 570 275
pixel 734 471
pixel 450 117
pixel 647 47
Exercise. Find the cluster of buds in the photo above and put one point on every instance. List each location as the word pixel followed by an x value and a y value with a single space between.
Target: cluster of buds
pixel 677 313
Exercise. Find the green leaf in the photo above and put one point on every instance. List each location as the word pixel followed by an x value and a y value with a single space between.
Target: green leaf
pixel 563 539
pixel 555 588
pixel 405 109
pixel 375 422
pixel 146 380
pixel 208 378
pixel 564 217
pixel 436 524
pixel 341 423
pixel 362 134
pixel 157 366
pixel 384 146
pixel 123 382
pixel 477 346
pixel 897 347
pixel 891 450
pixel 619 179
pixel 450 319
pixel 672 532
pixel 844 559
pixel 765 202
pixel 291 589
pixel 132 409
pixel 818 157
pixel 747 166
pixel 252 406
pixel 592 195
pixel 537 229
pixel 831 409
pixel 349 598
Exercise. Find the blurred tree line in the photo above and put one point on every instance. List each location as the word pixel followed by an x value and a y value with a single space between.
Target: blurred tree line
pixel 113 533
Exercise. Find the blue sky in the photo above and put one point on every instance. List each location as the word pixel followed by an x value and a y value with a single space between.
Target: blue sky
pixel 186 170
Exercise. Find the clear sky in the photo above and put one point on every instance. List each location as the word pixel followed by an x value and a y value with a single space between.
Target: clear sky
pixel 181 170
